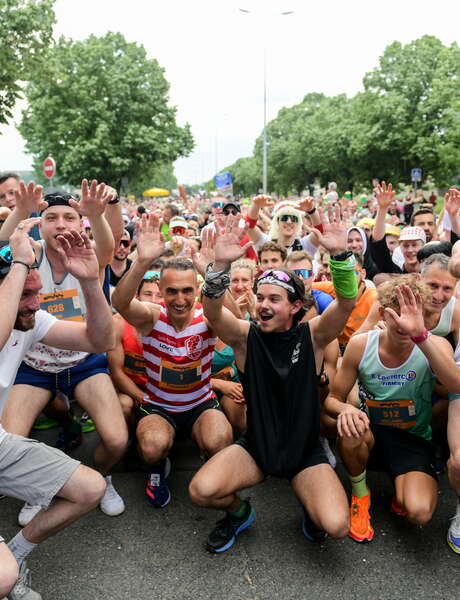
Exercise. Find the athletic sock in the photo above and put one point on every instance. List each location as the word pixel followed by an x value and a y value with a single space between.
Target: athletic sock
pixel 239 512
pixel 20 547
pixel 358 485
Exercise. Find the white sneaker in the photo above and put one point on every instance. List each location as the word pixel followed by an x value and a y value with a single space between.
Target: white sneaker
pixel 27 513
pixel 22 589
pixel 453 535
pixel 112 503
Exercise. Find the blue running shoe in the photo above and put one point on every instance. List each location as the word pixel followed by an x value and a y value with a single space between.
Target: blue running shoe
pixel 453 535
pixel 311 531
pixel 158 494
pixel 223 536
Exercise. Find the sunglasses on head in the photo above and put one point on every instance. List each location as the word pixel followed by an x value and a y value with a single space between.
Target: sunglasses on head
pixel 6 258
pixel 125 243
pixel 286 218
pixel 304 273
pixel 280 275
pixel 230 211
pixel 151 275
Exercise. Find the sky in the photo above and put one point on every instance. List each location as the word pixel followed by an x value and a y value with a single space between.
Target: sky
pixel 213 56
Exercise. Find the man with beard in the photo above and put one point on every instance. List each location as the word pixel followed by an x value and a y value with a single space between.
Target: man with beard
pixel 120 262
pixel 28 470
pixel 279 361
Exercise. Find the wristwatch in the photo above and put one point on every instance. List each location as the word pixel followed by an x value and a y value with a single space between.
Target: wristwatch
pixel 343 255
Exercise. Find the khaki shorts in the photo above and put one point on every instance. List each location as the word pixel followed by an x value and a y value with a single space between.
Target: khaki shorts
pixel 32 471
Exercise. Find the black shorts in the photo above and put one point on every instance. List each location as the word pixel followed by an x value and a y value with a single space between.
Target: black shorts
pixel 398 452
pixel 181 421
pixel 316 456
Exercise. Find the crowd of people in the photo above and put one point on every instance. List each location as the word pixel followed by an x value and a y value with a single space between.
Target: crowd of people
pixel 278 334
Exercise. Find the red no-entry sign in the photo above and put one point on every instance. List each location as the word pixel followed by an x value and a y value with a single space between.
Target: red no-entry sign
pixel 49 167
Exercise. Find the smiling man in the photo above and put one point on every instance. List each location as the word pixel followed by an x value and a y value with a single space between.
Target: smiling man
pixel 279 360
pixel 178 349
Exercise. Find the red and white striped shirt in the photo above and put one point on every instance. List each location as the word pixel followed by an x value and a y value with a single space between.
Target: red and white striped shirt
pixel 178 364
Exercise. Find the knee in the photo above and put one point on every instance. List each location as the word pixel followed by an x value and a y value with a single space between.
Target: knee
pixel 420 514
pixel 202 490
pixel 154 445
pixel 91 489
pixel 217 442
pixel 9 572
pixel 454 463
pixel 116 443
pixel 337 525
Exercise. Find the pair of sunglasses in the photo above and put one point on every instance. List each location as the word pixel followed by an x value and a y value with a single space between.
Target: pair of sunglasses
pixel 231 211
pixel 303 273
pixel 280 275
pixel 151 275
pixel 217 205
pixel 178 230
pixel 125 243
pixel 6 258
pixel 286 218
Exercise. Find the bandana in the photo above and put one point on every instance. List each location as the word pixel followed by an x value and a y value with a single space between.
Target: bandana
pixel 274 281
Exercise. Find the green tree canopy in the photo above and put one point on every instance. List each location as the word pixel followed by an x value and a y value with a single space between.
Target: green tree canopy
pixel 26 28
pixel 100 108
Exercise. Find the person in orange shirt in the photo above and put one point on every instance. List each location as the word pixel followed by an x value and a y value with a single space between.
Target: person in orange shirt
pixel 365 299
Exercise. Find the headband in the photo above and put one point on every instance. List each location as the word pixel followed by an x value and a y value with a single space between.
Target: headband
pixel 274 281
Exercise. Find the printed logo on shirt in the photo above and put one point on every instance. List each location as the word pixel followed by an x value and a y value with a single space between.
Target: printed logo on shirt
pixel 194 346
pixel 395 378
pixel 295 354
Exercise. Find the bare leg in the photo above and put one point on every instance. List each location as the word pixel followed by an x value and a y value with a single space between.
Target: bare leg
pixel 80 494
pixel 128 409
pixel 319 490
pixel 9 570
pixel 355 452
pixel 216 483
pixel 97 396
pixel 155 436
pixel 417 494
pixel 212 432
pixel 235 412
pixel 453 436
pixel 24 404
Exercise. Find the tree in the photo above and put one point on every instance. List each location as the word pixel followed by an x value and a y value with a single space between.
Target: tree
pixel 161 176
pixel 100 107
pixel 26 28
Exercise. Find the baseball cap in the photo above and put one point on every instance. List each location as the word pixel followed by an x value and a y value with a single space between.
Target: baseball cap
pixel 178 222
pixel 235 204
pixel 412 233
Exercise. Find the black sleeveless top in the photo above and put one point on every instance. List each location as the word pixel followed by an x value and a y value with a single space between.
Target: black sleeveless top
pixel 281 392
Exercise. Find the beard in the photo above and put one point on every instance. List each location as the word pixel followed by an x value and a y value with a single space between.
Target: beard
pixel 24 321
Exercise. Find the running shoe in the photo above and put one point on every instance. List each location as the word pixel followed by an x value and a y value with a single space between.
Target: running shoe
pixel 311 531
pixel 453 535
pixel 111 503
pixel 397 509
pixel 360 520
pixel 87 423
pixel 223 536
pixel 22 589
pixel 158 494
pixel 27 513
pixel 70 437
pixel 43 423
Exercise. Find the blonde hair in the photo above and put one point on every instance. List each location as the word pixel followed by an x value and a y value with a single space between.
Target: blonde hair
pixel 245 263
pixel 386 292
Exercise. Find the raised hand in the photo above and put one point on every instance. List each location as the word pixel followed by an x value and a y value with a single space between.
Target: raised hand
pixel 334 236
pixel 452 202
pixel 93 199
pixel 227 243
pixel 77 255
pixel 150 242
pixel 205 256
pixel 261 201
pixel 384 195
pixel 29 198
pixel 21 243
pixel 306 204
pixel 410 320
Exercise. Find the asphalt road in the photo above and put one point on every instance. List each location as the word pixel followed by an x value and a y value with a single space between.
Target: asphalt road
pixel 160 554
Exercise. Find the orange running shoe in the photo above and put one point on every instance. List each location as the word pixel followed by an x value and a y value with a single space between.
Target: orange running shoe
pixel 360 520
pixel 397 509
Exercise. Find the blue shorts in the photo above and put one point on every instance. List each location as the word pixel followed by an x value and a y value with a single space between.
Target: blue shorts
pixel 65 381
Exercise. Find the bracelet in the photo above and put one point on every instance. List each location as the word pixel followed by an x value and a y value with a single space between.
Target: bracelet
pixel 216 282
pixel 343 255
pixel 310 212
pixel 251 222
pixel 116 200
pixel 418 339
pixel 19 262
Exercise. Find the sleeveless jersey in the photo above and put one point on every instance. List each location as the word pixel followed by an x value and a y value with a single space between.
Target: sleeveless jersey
pixel 64 300
pixel 178 364
pixel 281 391
pixel 134 365
pixel 398 396
pixel 445 320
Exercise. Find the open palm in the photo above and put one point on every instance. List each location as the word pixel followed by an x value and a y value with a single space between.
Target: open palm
pixel 227 245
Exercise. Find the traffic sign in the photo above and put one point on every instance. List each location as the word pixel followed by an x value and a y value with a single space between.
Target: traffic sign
pixel 416 175
pixel 49 167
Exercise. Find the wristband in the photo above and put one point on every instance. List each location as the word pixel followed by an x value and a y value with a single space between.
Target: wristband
pixel 418 339
pixel 251 222
pixel 116 200
pixel 342 256
pixel 19 262
pixel 344 277
pixel 310 212
pixel 216 282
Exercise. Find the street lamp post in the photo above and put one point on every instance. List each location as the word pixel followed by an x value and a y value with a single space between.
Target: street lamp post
pixel 264 134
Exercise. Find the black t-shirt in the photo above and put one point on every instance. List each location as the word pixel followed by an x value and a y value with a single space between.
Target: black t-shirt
pixel 280 389
pixel 114 278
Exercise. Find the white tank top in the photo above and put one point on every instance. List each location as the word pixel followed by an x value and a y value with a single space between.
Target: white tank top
pixel 64 300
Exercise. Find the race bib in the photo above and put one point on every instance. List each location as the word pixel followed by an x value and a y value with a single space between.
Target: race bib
pixel 63 304
pixel 179 377
pixel 393 413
